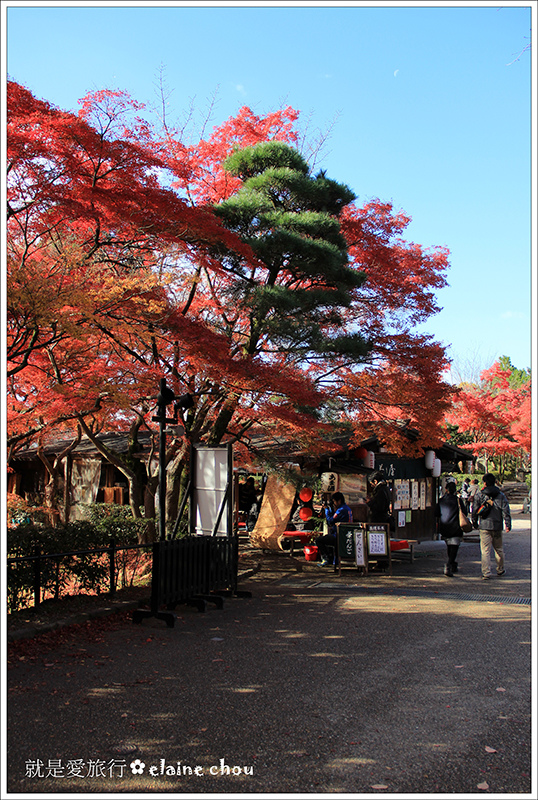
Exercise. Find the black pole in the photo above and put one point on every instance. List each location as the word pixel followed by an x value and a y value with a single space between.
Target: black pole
pixel 37 576
pixel 112 567
pixel 161 413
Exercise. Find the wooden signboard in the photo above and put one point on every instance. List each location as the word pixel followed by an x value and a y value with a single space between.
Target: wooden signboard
pixel 378 543
pixel 361 542
pixel 351 544
pixel 345 533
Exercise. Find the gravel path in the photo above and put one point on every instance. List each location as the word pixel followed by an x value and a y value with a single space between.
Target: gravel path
pixel 415 684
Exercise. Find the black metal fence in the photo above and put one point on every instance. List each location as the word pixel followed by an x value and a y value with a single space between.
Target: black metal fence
pixel 193 570
pixel 39 558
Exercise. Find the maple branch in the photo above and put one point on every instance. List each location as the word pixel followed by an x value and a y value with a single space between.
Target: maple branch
pixel 527 47
pixel 192 291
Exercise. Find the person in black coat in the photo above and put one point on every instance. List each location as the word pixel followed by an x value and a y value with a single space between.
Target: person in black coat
pixel 379 500
pixel 447 512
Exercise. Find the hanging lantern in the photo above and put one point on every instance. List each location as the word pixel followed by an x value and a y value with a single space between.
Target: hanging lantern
pixel 429 458
pixel 329 482
pixel 305 494
pixel 305 513
pixel 369 460
pixel 436 471
pixel 362 452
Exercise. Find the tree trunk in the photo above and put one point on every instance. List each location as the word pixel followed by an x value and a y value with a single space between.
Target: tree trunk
pixel 175 483
pixel 223 420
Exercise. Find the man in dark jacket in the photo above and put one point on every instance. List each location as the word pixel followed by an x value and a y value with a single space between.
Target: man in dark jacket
pixel 490 511
pixel 379 501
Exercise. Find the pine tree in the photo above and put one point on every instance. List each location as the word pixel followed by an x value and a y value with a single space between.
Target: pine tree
pixel 292 299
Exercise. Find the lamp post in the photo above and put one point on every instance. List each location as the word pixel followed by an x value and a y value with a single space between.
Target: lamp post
pixel 165 397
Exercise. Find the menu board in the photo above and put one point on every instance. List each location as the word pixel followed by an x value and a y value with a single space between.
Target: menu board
pixel 429 492
pixel 377 542
pixel 360 550
pixel 401 494
pixel 363 541
pixel 423 495
pixel 415 497
pixel 397 502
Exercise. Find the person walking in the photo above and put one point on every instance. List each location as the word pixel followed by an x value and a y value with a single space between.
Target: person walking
pixel 447 512
pixel 490 511
pixel 340 512
pixel 471 491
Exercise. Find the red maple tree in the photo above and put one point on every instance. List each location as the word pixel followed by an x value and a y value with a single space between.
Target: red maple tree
pixel 494 417
pixel 120 271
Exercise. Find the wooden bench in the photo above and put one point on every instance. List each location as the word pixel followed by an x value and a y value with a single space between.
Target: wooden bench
pixel 404 547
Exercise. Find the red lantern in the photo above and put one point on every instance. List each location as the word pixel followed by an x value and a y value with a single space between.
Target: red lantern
pixel 362 452
pixel 305 513
pixel 305 494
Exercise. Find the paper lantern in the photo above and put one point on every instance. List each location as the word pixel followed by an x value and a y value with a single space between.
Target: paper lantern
pixel 305 494
pixel 436 471
pixel 329 482
pixel 369 460
pixel 305 513
pixel 362 452
pixel 429 458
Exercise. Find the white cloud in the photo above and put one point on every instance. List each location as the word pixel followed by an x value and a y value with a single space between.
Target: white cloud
pixel 396 71
pixel 240 88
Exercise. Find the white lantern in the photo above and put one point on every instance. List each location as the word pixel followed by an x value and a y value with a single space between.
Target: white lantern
pixel 436 471
pixel 369 461
pixel 429 458
pixel 330 482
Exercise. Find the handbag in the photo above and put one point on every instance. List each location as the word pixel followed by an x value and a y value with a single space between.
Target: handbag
pixel 465 524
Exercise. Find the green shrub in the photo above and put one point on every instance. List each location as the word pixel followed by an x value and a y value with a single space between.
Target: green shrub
pixel 74 573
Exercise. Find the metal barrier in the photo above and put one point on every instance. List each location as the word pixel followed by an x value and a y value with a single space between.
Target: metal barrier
pixel 39 557
pixel 193 570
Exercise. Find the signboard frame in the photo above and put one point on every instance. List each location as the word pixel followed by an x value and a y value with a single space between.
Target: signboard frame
pixel 211 509
pixel 373 544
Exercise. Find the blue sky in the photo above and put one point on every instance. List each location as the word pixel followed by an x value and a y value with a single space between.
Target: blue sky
pixel 428 107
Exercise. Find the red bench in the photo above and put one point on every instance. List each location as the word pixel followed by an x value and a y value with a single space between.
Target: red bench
pixel 298 539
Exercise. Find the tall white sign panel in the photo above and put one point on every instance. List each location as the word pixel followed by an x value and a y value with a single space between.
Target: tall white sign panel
pixel 212 473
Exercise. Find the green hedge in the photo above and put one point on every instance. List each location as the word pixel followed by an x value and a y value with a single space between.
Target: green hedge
pixel 74 574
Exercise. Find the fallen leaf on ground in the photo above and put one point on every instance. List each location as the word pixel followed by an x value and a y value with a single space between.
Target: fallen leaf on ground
pixel 484 786
pixel 379 786
pixel 490 749
pixel 500 689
